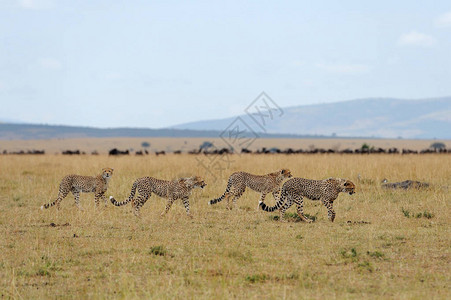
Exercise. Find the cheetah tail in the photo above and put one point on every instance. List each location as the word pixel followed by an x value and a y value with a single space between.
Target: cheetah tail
pixel 47 205
pixel 214 201
pixel 278 205
pixel 130 198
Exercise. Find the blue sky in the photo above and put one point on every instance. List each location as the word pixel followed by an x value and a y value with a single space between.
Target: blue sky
pixel 161 63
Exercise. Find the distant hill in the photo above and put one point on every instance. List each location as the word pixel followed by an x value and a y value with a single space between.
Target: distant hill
pixel 378 118
pixel 373 117
pixel 32 131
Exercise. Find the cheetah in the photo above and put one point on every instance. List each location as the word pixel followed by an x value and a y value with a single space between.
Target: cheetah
pixel 238 181
pixel 86 184
pixel 171 190
pixel 295 189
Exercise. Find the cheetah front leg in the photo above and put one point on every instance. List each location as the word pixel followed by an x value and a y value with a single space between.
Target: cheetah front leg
pixel 186 204
pixel 105 199
pixel 98 196
pixel 330 211
pixel 300 208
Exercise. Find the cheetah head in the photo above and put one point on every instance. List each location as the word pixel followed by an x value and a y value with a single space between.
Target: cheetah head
pixel 193 182
pixel 107 173
pixel 347 186
pixel 285 173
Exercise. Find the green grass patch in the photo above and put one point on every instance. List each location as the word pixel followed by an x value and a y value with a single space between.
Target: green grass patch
pixel 158 251
pixel 256 278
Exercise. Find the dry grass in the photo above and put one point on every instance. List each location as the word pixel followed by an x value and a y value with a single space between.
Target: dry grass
pixel 373 250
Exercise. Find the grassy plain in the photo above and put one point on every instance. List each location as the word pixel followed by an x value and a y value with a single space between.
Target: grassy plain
pixel 383 244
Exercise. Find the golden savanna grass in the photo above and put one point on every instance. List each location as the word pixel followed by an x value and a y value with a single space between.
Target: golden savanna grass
pixel 383 244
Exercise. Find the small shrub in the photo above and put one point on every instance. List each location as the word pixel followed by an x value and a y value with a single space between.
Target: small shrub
pixel 418 215
pixel 427 215
pixel 43 271
pixel 294 217
pixel 366 266
pixel 158 250
pixel 349 254
pixel 257 278
pixel 311 217
pixel 405 212
pixel 274 218
pixel 375 254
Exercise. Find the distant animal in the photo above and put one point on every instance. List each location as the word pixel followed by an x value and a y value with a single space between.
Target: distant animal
pixel 86 184
pixel 238 181
pixel 325 190
pixel 171 190
pixel 116 151
pixel 407 184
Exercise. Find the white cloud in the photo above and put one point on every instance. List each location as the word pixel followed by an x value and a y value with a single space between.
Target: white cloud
pixel 443 20
pixel 344 68
pixel 50 63
pixel 414 38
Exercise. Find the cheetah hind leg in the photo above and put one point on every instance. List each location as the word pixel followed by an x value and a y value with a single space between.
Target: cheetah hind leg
pixel 138 203
pixel 284 208
pixel 300 209
pixel 77 200
pixel 227 197
pixel 237 195
pixel 168 206
pixel 276 195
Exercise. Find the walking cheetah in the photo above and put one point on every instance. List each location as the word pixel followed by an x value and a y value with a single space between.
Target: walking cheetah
pixel 269 183
pixel 86 184
pixel 295 189
pixel 171 190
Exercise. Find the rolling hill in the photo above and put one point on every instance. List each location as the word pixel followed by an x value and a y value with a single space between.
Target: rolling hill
pixel 10 131
pixel 372 117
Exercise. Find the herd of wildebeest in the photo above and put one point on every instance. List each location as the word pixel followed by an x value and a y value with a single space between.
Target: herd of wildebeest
pixel 263 150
